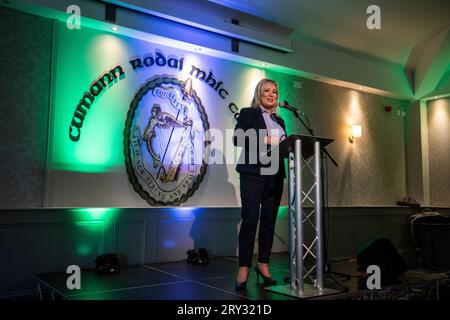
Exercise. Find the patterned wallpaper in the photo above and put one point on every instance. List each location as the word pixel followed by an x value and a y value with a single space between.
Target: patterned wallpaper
pixel 439 151
pixel 371 171
pixel 25 51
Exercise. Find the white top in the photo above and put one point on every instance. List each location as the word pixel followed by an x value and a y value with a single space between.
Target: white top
pixel 273 127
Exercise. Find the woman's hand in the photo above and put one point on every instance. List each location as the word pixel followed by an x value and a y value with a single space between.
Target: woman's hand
pixel 272 140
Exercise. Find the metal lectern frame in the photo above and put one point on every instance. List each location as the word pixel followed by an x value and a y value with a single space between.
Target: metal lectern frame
pixel 304 149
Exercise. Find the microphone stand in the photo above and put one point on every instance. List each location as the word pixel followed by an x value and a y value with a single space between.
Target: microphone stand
pixel 311 132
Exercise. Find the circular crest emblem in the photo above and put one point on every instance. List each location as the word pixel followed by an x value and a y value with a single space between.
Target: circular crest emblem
pixel 165 138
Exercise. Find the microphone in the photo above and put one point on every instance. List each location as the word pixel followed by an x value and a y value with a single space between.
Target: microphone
pixel 286 105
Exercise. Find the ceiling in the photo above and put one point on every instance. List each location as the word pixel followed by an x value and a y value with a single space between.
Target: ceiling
pixel 326 40
pixel 342 23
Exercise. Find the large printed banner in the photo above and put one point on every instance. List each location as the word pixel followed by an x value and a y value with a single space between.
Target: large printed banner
pixel 137 124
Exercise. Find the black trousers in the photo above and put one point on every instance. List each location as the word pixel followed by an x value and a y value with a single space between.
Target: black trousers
pixel 260 197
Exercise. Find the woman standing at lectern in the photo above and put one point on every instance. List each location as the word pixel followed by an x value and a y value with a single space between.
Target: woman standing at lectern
pixel 260 191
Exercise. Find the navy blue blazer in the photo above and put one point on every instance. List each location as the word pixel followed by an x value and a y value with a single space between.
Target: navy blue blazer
pixel 252 118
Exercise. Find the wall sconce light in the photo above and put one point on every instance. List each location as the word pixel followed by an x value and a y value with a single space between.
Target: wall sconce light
pixel 356 133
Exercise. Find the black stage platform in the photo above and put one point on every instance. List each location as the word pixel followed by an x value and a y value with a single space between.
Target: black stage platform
pixel 215 281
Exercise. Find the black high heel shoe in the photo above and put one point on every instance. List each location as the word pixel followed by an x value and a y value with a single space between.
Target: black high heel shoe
pixel 241 286
pixel 267 280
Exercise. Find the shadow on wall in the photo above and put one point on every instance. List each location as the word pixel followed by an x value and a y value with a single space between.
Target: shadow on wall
pixel 216 184
pixel 345 186
pixel 216 230
pixel 217 234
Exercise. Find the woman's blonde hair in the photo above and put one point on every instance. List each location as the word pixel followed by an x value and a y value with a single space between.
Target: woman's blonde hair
pixel 256 102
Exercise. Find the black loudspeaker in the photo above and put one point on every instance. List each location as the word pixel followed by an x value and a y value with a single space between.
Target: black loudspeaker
pixel 382 253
